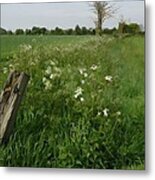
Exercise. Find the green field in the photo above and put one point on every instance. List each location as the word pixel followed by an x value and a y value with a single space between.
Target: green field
pixel 11 44
pixel 84 105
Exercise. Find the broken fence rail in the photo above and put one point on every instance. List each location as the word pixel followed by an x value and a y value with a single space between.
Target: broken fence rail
pixel 10 100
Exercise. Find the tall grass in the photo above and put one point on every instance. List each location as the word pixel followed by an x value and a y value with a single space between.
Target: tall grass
pixel 56 128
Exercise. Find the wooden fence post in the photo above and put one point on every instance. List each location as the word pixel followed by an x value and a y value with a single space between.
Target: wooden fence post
pixel 10 100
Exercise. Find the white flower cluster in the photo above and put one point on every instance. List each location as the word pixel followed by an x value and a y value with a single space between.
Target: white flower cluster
pixel 105 112
pixel 11 67
pixel 52 72
pixel 108 78
pixel 78 94
pixel 82 81
pixel 5 70
pixel 47 83
pixel 93 67
pixel 118 113
pixel 83 72
pixel 34 62
pixel 25 47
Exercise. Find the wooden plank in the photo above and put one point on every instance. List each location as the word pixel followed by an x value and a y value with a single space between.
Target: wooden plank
pixel 10 100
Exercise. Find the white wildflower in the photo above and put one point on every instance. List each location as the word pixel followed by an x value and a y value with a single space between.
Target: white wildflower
pixel 108 78
pixel 52 63
pixel 26 47
pixel 30 82
pixel 99 113
pixel 44 79
pixel 81 99
pixel 48 85
pixel 82 81
pixel 48 70
pixel 85 75
pixel 5 70
pixel 57 70
pixel 105 112
pixel 93 67
pixel 78 92
pixel 82 70
pixel 118 113
pixel 11 67
pixel 51 76
pixel 76 96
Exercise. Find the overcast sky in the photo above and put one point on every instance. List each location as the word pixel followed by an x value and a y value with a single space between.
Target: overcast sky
pixel 65 15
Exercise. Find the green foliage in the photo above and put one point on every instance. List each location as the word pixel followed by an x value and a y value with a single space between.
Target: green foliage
pixel 58 31
pixel 9 32
pixel 78 30
pixel 132 28
pixel 123 28
pixel 2 31
pixel 11 44
pixel 55 127
pixel 19 31
pixel 110 31
pixel 28 31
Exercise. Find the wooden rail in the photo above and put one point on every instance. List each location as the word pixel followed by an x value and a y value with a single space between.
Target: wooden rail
pixel 10 100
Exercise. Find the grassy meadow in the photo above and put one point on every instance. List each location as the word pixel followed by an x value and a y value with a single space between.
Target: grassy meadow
pixel 84 104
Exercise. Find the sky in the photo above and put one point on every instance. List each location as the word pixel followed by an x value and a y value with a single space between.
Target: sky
pixel 66 14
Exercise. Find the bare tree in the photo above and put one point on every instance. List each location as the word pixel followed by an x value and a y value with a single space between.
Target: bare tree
pixel 102 10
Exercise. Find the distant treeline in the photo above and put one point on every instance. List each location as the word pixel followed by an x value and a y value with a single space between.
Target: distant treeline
pixel 122 28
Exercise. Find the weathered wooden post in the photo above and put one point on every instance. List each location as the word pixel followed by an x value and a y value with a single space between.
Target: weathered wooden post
pixel 10 100
pixel 121 27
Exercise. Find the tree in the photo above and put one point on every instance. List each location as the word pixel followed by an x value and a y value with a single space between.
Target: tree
pixel 84 31
pixel 19 31
pixel 28 31
pixel 102 11
pixel 35 30
pixel 69 31
pixel 131 28
pixel 77 30
pixel 43 30
pixel 9 32
pixel 109 31
pixel 59 31
pixel 91 31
